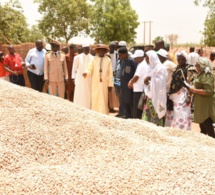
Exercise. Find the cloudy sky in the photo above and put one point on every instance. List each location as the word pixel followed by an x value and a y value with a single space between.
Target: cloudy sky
pixel 180 17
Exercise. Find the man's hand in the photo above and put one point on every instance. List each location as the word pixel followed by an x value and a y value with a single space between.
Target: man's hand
pixel 85 75
pixel 32 67
pixel 192 89
pixel 46 81
pixel 130 85
pixel 146 80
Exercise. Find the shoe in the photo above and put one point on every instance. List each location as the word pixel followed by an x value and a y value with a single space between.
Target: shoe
pixel 111 110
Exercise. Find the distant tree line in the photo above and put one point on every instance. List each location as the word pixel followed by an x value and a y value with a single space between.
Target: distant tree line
pixel 104 19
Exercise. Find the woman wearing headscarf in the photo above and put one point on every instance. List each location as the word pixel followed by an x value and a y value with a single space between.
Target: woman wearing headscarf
pixel 179 101
pixel 204 97
pixel 155 90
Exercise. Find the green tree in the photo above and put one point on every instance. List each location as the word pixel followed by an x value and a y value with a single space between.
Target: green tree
pixel 209 29
pixel 114 20
pixel 157 39
pixel 13 28
pixel 35 34
pixel 64 18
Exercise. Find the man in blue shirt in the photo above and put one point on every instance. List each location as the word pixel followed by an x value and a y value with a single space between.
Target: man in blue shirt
pixel 35 64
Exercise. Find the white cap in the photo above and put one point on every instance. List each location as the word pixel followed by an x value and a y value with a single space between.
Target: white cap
pixel 85 45
pixel 138 53
pixel 122 43
pixel 48 47
pixel 163 53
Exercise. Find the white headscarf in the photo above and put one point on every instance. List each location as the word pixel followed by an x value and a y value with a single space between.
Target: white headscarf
pixel 182 53
pixel 156 90
pixel 205 65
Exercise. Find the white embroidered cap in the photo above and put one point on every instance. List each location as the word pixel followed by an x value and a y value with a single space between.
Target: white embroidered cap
pixel 163 53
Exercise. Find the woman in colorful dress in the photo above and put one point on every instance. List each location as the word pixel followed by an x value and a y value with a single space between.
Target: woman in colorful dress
pixel 155 90
pixel 179 114
pixel 204 97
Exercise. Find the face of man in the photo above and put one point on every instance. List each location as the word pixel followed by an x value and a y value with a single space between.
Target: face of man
pixel 112 48
pixel 161 58
pixel 65 50
pixel 72 50
pixel 39 45
pixel 11 50
pixel 54 47
pixel 147 60
pixel 138 59
pixel 102 52
pixel 123 56
pixel 86 50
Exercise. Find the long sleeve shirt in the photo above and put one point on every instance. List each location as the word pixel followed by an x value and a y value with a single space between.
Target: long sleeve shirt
pixel 37 58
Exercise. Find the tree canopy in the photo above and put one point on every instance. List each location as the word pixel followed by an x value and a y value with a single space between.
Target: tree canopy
pixel 13 28
pixel 64 18
pixel 114 20
pixel 209 30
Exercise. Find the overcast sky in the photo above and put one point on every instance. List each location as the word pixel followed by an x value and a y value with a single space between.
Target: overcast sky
pixel 180 17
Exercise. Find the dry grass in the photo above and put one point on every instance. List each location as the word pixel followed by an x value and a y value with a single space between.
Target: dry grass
pixel 51 146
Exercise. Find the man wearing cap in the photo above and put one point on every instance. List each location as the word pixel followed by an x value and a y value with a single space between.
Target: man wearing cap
pixel 102 79
pixel 14 66
pixel 137 82
pixel 69 61
pixel 169 65
pixel 128 67
pixel 55 70
pixel 35 64
pixel 82 93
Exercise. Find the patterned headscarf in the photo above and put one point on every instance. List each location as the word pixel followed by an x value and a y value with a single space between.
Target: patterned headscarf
pixel 205 65
pixel 182 53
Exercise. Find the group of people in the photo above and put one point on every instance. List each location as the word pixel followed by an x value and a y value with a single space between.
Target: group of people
pixel 154 85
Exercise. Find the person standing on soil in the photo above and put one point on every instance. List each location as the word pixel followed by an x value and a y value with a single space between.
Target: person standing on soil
pixel 155 90
pixel 82 93
pixel 69 60
pixel 128 68
pixel 35 64
pixel 102 79
pixel 14 65
pixel 204 97
pixel 55 70
pixel 137 81
pixel 179 104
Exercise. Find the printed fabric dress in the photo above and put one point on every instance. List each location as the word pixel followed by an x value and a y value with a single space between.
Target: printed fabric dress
pixel 180 114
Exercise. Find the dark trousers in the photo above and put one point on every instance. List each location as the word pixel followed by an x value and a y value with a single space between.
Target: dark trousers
pixel 37 81
pixel 207 127
pixel 137 113
pixel 118 91
pixel 18 80
pixel 128 110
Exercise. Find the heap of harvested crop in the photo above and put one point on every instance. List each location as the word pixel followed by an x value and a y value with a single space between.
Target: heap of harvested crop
pixel 51 146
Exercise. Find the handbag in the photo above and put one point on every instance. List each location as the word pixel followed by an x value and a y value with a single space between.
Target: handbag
pixel 141 101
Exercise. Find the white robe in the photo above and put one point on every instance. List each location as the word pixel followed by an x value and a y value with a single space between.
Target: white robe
pixel 100 89
pixel 82 93
pixel 156 90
